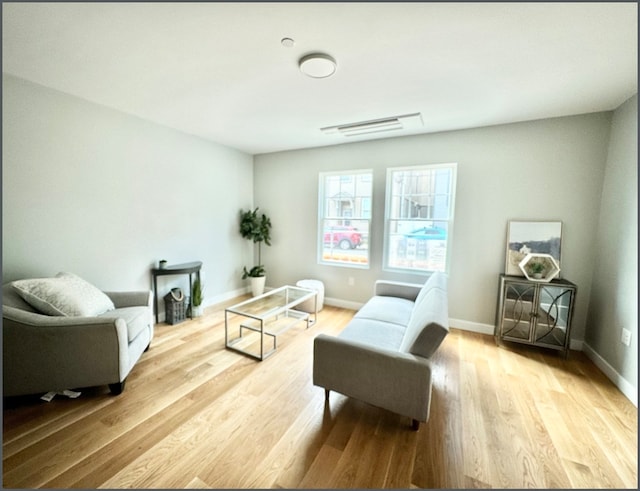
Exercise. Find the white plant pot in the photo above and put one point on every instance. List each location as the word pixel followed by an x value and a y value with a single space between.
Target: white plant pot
pixel 197 310
pixel 257 285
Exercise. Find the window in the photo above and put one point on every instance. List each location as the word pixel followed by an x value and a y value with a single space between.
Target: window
pixel 419 217
pixel 344 210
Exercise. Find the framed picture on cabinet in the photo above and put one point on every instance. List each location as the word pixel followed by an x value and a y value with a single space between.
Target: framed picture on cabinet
pixel 524 238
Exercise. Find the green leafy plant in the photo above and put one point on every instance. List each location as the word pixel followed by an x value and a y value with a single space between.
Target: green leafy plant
pixel 197 292
pixel 254 272
pixel 536 268
pixel 256 228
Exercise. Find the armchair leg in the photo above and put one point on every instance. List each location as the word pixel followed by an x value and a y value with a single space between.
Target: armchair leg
pixel 415 425
pixel 326 395
pixel 117 388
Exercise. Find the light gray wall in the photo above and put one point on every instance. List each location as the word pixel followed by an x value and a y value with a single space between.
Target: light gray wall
pixel 614 295
pixel 105 195
pixel 94 191
pixel 542 170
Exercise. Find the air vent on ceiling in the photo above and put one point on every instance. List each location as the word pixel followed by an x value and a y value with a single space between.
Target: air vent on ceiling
pixel 407 121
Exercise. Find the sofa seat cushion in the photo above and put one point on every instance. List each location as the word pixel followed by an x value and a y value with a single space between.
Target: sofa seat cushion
pixel 136 318
pixel 387 309
pixel 374 333
pixel 64 295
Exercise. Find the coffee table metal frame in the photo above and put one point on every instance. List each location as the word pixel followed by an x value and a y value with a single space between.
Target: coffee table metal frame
pixel 270 318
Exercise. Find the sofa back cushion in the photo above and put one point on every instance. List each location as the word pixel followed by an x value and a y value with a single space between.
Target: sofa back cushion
pixel 436 280
pixel 429 322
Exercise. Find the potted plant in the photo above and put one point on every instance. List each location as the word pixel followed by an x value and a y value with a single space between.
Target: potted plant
pixel 256 228
pixel 536 269
pixel 197 298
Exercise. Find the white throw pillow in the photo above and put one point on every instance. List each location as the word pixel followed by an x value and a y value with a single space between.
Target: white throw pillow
pixel 65 295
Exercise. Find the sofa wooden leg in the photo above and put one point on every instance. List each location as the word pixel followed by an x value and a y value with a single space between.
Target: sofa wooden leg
pixel 415 425
pixel 326 395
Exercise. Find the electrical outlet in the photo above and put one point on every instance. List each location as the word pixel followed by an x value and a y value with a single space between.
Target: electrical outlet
pixel 352 281
pixel 625 338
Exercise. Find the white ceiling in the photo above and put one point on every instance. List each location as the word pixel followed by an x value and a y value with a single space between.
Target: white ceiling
pixel 218 70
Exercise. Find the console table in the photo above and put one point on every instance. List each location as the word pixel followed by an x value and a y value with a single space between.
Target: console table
pixel 186 268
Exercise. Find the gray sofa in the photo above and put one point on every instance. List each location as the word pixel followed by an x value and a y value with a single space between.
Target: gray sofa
pixel 43 353
pixel 382 356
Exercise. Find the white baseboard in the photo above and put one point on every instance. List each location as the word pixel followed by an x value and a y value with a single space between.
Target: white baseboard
pixel 629 391
pixel 471 326
pixel 223 297
pixel 576 344
pixel 343 304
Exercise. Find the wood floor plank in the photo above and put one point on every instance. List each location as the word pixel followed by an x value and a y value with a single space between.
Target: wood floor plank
pixel 378 450
pixel 446 409
pixel 346 470
pixel 322 466
pixel 195 415
pixel 550 471
pixel 289 453
pixel 477 463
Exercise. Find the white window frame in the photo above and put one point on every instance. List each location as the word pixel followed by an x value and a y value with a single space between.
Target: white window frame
pixel 322 216
pixel 448 219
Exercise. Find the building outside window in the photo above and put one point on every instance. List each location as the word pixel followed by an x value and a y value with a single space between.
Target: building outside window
pixel 419 217
pixel 344 218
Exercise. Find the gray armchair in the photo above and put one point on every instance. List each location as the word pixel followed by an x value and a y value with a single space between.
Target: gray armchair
pixel 43 353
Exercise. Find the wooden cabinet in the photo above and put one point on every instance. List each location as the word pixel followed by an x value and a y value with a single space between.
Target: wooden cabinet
pixel 534 312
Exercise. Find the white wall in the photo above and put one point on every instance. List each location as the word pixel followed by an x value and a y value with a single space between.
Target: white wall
pixel 614 295
pixel 542 170
pixel 105 195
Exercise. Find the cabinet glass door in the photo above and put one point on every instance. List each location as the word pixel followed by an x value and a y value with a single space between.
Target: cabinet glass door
pixel 554 310
pixel 517 309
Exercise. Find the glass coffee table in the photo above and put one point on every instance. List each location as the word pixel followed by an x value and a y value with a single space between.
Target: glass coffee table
pixel 268 315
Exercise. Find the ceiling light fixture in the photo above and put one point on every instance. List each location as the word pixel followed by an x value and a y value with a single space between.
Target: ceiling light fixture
pixel 317 65
pixel 287 42
pixel 406 121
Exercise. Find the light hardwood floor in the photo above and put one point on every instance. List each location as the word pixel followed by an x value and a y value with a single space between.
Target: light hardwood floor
pixel 194 415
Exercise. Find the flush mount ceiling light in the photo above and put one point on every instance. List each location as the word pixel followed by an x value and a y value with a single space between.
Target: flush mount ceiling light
pixel 317 65
pixel 406 121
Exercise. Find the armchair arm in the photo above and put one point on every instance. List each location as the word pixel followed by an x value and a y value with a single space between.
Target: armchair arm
pixel 397 381
pixel 397 289
pixel 142 298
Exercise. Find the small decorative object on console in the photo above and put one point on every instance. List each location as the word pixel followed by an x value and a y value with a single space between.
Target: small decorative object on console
pixel 174 306
pixel 539 267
